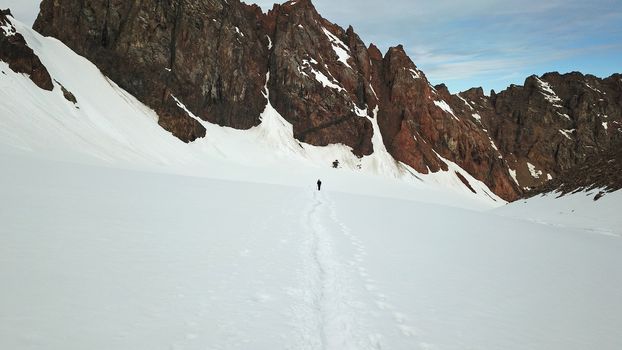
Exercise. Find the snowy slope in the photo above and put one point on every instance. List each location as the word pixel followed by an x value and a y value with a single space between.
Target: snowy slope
pixel 577 210
pixel 116 235
pixel 108 126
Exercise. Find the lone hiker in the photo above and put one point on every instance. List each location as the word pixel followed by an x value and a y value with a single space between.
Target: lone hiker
pixel 319 185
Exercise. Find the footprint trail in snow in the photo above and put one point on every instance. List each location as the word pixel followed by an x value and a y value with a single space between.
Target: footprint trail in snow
pixel 340 296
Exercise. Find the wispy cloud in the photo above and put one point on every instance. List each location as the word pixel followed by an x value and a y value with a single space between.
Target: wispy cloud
pixel 494 44
pixel 498 70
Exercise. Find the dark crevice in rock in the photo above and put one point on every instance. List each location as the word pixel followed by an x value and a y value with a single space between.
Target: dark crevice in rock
pixel 174 33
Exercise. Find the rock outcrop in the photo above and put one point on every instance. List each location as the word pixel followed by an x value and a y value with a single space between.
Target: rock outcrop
pixel 602 173
pixel 552 123
pixel 218 57
pixel 421 129
pixel 20 57
pixel 318 77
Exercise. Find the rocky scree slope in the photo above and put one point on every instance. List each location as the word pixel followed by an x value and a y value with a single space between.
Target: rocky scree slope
pixel 217 57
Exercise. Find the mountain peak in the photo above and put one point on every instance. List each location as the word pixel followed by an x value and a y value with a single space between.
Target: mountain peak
pixel 374 52
pixel 300 3
pixel 296 5
pixel 399 48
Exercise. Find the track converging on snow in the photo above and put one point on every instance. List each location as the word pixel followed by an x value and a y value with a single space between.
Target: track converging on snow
pixel 342 301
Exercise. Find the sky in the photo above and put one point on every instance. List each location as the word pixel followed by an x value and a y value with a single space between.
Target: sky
pixel 465 44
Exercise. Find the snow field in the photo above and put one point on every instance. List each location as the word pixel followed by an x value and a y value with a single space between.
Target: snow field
pixel 572 211
pixel 102 258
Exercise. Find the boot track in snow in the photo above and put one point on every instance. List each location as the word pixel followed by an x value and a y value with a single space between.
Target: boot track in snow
pixel 332 322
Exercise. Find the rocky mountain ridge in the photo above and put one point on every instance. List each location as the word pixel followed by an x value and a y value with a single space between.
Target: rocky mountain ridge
pixel 219 56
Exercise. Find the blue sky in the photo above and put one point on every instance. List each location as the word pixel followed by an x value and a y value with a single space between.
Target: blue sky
pixel 479 42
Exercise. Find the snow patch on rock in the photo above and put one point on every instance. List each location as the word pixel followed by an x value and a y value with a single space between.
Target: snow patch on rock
pixel 341 50
pixel 567 133
pixel 466 102
pixel 445 107
pixel 595 90
pixel 415 74
pixel 8 30
pixel 318 75
pixel 548 92
pixel 533 171
pixel 513 175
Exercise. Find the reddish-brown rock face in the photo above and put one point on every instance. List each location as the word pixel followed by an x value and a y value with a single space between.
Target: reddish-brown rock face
pixel 208 54
pixel 318 77
pixel 20 57
pixel 600 173
pixel 553 123
pixel 419 125
pixel 216 55
pixel 404 116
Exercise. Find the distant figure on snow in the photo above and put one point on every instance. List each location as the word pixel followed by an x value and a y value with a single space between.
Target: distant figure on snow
pixel 319 185
pixel 336 164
